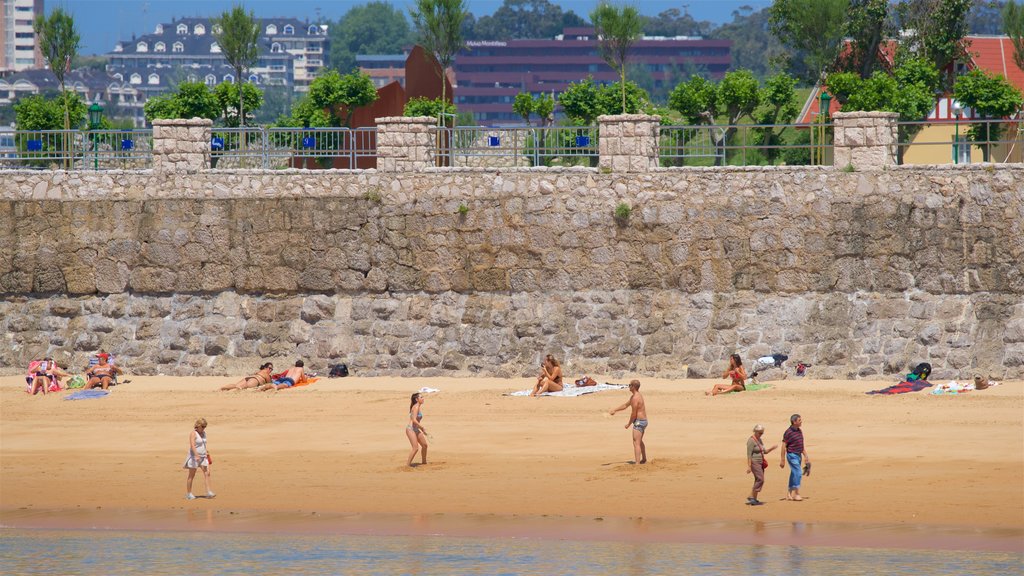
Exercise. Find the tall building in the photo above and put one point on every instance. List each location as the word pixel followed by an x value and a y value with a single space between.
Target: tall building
pixel 19 49
pixel 490 73
pixel 291 52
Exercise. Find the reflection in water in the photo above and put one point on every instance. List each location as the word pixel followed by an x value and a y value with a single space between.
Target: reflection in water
pixel 108 552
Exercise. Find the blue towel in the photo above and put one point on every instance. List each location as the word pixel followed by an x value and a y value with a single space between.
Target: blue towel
pixel 86 394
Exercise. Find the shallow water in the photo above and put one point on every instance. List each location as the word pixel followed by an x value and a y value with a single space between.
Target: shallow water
pixel 27 551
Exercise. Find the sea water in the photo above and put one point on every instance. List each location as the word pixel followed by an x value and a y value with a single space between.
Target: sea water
pixel 30 551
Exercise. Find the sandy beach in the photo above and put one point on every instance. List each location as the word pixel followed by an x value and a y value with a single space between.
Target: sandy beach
pixel 338 447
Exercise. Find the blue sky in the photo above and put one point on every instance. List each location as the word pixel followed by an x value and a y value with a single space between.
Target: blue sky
pixel 102 23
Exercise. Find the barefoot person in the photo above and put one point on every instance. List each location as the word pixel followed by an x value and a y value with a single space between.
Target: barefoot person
pixel 198 457
pixel 102 373
pixel 415 431
pixel 737 376
pixel 792 452
pixel 259 378
pixel 757 463
pixel 293 375
pixel 637 419
pixel 550 377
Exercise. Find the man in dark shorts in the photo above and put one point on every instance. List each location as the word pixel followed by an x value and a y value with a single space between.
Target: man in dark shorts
pixel 793 452
pixel 638 420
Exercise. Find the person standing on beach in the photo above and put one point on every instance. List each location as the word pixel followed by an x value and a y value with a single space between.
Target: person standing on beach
pixel 793 452
pixel 198 457
pixel 757 462
pixel 415 431
pixel 637 419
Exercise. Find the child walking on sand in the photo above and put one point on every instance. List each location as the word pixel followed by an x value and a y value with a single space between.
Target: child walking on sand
pixel 198 457
pixel 638 420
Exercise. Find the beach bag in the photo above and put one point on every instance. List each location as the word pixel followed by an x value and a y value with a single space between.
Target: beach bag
pixel 920 372
pixel 586 381
pixel 764 463
pixel 338 371
pixel 77 381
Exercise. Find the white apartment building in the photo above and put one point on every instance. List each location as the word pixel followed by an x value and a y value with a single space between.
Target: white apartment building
pixel 18 47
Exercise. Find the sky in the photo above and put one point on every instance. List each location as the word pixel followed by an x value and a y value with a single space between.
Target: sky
pixel 102 23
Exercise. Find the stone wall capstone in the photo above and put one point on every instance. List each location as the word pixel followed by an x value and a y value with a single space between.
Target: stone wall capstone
pixel 628 142
pixel 859 274
pixel 404 144
pixel 865 140
pixel 181 145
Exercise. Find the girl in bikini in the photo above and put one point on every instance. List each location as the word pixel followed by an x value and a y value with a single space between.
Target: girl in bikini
pixel 415 431
pixel 736 373
pixel 260 378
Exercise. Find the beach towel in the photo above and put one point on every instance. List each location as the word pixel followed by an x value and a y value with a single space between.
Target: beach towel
pixel 903 387
pixel 755 386
pixel 304 381
pixel 953 387
pixel 86 394
pixel 571 391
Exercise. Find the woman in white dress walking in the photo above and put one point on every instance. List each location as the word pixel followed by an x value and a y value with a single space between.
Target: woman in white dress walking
pixel 198 457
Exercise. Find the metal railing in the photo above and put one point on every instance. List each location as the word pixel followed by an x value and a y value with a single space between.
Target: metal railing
pixel 745 144
pixel 77 149
pixel 481 146
pixel 962 141
pixel 270 148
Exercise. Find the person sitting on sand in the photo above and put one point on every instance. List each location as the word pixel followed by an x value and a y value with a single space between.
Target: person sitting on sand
pixel 415 431
pixel 737 376
pixel 637 419
pixel 102 373
pixel 293 375
pixel 550 377
pixel 46 377
pixel 261 377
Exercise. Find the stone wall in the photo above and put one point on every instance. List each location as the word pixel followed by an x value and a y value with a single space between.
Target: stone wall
pixel 857 273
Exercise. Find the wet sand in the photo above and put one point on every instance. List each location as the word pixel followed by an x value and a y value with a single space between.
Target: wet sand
pixel 336 450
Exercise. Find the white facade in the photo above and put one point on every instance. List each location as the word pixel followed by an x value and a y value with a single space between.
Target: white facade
pixel 18 46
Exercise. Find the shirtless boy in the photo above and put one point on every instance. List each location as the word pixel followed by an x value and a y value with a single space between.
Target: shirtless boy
pixel 293 375
pixel 637 419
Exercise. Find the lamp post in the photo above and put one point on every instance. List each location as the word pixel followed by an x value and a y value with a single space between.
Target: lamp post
pixel 958 111
pixel 824 110
pixel 95 120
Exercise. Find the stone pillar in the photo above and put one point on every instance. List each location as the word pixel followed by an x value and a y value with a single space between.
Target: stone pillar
pixel 628 142
pixel 181 145
pixel 865 140
pixel 404 144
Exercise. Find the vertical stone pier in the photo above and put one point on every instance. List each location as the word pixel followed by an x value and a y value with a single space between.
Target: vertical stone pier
pixel 181 145
pixel 404 144
pixel 865 140
pixel 628 142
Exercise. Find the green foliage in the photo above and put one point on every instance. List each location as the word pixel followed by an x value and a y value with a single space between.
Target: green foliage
pixel 341 95
pixel 372 28
pixel 463 210
pixel 623 211
pixel 991 97
pixel 192 100
pixel 237 33
pixel 754 47
pixel 610 99
pixel 544 107
pixel 1013 26
pixel 277 102
pixel 423 106
pixel 38 113
pixel 227 102
pixel 812 33
pixel 523 105
pixel 519 19
pixel 584 101
pixel 867 24
pixel 617 30
pixel 849 168
pixel 696 100
pixel 58 42
pixel 438 25
pixel 777 105
pixel 937 29
pixel 673 23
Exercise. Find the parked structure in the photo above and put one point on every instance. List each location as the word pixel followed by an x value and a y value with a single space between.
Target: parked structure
pixel 291 52
pixel 19 49
pixel 489 74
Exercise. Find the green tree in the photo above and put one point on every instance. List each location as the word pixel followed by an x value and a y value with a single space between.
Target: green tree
pixel 544 107
pixel 1013 26
pixel 523 105
pixel 812 33
pixel 609 99
pixel 39 113
pixel 617 30
pixel 227 101
pixel 341 95
pixel 700 101
pixel 305 114
pixel 373 28
pixel 435 108
pixel 777 105
pixel 991 96
pixel 579 102
pixel 191 100
pixel 238 34
pixel 867 24
pixel 438 26
pixel 936 30
pixel 58 42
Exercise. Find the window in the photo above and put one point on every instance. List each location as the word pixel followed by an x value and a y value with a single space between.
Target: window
pixel 314 30
pixel 217 29
pixel 119 76
pixel 142 47
pixel 136 79
pixel 178 47
pixel 199 30
pixel 215 48
pixel 154 79
pixel 271 29
pixel 159 29
pixel 160 47
pixel 210 79
pixel 229 78
pixel 182 29
pixel 275 47
pixel 254 78
pixel 289 29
